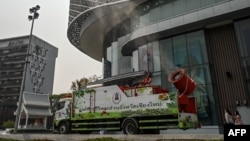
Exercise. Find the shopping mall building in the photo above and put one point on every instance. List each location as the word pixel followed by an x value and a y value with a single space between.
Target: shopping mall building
pixel 210 39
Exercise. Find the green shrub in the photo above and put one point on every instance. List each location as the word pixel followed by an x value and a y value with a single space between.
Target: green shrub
pixel 9 124
pixel 3 139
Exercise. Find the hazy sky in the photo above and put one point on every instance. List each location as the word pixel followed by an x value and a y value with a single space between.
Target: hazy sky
pixel 51 26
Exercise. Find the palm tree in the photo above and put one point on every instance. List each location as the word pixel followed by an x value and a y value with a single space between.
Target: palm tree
pixel 79 84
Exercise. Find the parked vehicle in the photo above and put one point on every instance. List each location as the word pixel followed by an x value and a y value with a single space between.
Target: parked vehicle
pixel 133 110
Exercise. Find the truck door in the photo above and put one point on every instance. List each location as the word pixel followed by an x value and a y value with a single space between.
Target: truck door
pixel 62 111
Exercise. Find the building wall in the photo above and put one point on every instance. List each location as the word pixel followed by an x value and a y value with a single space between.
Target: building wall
pixel 39 75
pixel 228 80
pixel 40 72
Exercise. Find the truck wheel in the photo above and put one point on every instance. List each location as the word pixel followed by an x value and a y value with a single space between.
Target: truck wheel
pixel 63 128
pixel 130 126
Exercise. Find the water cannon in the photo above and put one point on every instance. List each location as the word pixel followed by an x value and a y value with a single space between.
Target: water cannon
pixel 185 86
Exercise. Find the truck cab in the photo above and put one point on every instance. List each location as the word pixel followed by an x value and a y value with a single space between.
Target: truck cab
pixel 62 115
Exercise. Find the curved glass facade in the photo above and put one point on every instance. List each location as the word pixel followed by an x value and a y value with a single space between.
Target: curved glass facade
pixel 157 10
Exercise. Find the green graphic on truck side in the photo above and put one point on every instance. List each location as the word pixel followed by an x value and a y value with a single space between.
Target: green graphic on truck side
pixel 168 109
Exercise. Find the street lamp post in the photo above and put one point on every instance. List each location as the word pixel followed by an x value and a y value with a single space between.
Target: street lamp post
pixel 34 15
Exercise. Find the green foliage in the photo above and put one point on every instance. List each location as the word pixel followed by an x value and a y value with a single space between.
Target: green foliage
pixel 58 96
pixel 80 93
pixel 3 139
pixel 79 84
pixel 9 124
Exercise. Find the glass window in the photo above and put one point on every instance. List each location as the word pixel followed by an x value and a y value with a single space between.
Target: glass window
pixel 166 57
pixel 211 108
pixel 246 34
pixel 156 10
pixel 188 51
pixel 167 11
pixel 60 105
pixel 192 4
pixel 109 54
pixel 198 73
pixel 196 48
pixel 143 58
pixel 179 7
pixel 115 57
pixel 124 65
pixel 150 58
pixel 144 20
pixel 246 65
pixel 154 14
pixel 243 34
pixel 107 63
pixel 156 56
pixel 115 52
pixel 156 78
pixel 206 2
pixel 180 51
pixel 219 0
pixel 135 61
pixel 201 96
pixel 135 23
pixel 146 57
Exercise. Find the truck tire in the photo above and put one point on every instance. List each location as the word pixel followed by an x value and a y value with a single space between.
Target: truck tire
pixel 63 128
pixel 130 126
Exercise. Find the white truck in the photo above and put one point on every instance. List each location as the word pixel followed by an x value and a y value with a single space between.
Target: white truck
pixel 133 110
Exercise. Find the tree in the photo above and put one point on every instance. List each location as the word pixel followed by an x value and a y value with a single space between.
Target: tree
pixel 94 78
pixel 83 82
pixel 79 84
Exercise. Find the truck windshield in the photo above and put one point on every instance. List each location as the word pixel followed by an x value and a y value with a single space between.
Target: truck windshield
pixel 60 105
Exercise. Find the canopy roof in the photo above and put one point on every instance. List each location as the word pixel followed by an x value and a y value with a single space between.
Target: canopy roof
pixel 123 79
pixel 36 104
